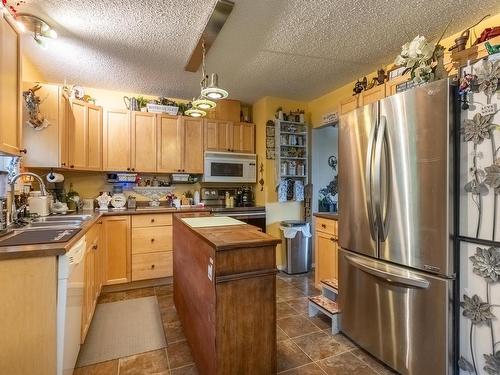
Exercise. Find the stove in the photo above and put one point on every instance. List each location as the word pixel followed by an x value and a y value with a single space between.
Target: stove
pixel 255 216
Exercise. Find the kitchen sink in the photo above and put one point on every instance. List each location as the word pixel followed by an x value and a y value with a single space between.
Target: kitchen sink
pixel 52 224
pixel 59 218
pixel 38 236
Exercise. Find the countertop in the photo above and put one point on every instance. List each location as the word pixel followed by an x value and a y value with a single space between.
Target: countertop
pixel 56 249
pixel 230 237
pixel 327 215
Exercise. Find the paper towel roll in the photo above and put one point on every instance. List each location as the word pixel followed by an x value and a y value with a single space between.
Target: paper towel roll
pixel 55 177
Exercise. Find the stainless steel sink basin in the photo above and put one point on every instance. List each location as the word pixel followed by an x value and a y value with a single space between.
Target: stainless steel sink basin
pixel 53 224
pixel 61 218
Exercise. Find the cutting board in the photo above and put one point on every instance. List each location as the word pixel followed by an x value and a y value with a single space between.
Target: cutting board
pixel 211 221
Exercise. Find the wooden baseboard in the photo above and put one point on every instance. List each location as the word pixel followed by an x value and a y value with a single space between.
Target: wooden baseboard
pixel 137 284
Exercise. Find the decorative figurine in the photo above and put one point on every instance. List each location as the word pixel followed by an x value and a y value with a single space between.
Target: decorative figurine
pixel 359 86
pixel 103 201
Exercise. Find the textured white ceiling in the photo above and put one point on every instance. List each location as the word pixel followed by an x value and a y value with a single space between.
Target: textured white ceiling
pixel 290 48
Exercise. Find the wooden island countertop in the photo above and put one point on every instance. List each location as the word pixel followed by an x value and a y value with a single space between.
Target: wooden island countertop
pixel 225 295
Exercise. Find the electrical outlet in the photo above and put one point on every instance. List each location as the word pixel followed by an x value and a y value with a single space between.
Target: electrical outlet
pixel 489 109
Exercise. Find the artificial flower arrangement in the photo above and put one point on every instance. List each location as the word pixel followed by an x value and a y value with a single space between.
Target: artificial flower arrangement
pixel 422 59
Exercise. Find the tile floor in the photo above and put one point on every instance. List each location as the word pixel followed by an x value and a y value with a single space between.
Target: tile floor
pixel 305 345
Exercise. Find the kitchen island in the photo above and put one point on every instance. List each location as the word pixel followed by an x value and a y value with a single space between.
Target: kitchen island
pixel 225 295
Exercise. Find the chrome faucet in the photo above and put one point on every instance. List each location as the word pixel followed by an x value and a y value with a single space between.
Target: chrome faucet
pixel 14 211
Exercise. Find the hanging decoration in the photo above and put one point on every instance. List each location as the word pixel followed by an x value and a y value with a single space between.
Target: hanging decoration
pixel 32 103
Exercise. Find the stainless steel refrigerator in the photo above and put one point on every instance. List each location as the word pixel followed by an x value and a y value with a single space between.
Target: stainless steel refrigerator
pixel 395 229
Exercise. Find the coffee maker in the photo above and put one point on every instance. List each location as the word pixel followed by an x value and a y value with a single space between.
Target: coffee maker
pixel 245 197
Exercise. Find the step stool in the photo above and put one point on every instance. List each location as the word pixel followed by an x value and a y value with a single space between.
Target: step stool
pixel 325 303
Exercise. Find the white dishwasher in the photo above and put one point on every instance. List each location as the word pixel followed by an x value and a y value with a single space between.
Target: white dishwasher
pixel 70 289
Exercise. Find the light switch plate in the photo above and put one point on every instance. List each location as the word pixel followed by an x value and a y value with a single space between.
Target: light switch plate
pixel 489 109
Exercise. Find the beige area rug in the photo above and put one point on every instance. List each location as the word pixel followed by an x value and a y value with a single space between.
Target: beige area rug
pixel 120 329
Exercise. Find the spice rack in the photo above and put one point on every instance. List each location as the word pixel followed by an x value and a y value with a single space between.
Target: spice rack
pixel 292 150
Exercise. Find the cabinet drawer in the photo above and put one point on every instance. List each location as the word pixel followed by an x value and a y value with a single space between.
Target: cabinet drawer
pixel 147 240
pixel 151 265
pixel 154 220
pixel 326 226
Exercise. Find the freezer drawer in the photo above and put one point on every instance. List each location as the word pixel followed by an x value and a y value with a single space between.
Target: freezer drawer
pixel 400 316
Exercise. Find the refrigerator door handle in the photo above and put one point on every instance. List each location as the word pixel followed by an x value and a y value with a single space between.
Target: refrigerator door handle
pixel 368 181
pixel 381 222
pixel 410 279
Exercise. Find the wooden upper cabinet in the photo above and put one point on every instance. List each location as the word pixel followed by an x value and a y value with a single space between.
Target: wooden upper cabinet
pixel 77 135
pixel 10 88
pixel 348 104
pixel 372 95
pixel 144 143
pixel 243 137
pixel 94 132
pixel 192 145
pixel 169 140
pixel 84 129
pixel 117 141
pixel 218 135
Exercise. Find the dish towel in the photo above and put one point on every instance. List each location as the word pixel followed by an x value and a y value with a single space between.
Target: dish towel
pixel 282 191
pixel 298 191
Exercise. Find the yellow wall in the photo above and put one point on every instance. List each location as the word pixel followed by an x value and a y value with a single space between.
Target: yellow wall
pixel 263 110
pixel 330 101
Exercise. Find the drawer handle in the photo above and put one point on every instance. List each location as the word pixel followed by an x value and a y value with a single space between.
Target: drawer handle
pixel 323 225
pixel 333 239
pixel 152 266
pixel 94 247
pixel 152 220
pixel 152 240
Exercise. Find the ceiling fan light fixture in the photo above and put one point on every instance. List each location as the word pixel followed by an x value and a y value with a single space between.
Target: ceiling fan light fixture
pixel 195 112
pixel 213 91
pixel 203 104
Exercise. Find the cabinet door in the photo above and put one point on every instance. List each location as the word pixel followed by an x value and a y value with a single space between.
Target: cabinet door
pixel 10 88
pixel 117 245
pixel 77 135
pixel 88 292
pixel 192 145
pixel 94 130
pixel 144 142
pixel 372 95
pixel 243 138
pixel 348 104
pixel 218 135
pixel 116 141
pixel 169 143
pixel 326 257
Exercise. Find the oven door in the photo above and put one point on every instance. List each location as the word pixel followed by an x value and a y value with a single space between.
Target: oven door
pixel 257 219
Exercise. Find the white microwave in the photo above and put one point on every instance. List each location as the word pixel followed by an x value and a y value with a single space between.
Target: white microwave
pixel 230 167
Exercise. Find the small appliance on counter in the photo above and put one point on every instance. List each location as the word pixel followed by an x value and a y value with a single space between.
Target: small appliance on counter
pixel 38 204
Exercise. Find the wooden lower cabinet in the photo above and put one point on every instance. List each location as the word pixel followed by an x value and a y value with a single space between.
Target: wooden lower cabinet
pixel 151 246
pixel 95 258
pixel 116 238
pixel 28 321
pixel 325 250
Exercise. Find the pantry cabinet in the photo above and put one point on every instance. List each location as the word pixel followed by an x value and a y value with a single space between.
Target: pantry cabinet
pixel 117 141
pixel 84 129
pixel 144 145
pixel 227 136
pixel 116 240
pixel 10 87
pixel 325 250
pixel 180 144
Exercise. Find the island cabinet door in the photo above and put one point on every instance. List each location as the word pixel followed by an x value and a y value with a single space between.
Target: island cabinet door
pixel 117 245
pixel 246 311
